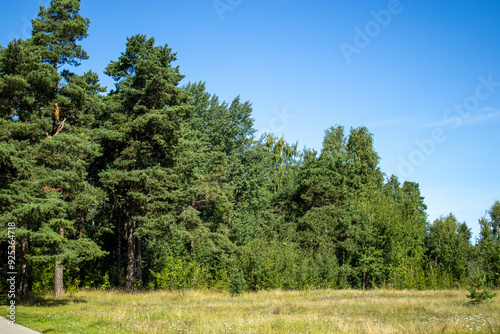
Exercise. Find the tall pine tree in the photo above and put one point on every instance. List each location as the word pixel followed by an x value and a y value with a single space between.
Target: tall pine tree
pixel 145 167
pixel 47 191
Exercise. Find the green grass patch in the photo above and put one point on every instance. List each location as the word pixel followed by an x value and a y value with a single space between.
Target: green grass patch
pixel 316 311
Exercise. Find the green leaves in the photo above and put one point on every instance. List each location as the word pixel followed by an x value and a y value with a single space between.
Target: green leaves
pixel 449 246
pixel 488 245
pixel 180 275
pixel 171 180
pixel 57 29
pixel 45 183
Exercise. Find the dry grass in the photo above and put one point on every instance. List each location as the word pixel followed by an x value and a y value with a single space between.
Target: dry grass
pixel 317 311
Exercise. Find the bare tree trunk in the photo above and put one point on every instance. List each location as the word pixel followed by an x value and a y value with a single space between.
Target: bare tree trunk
pixel 56 106
pixel 118 251
pixel 58 274
pixel 130 278
pixel 138 261
pixel 119 256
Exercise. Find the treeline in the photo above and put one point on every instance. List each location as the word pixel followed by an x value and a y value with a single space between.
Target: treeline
pixel 158 186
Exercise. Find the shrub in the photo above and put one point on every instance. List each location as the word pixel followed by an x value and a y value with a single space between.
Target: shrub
pixel 478 292
pixel 180 275
pixel 237 283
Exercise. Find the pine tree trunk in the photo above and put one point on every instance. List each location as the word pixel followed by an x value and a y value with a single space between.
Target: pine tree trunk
pixel 22 284
pixel 55 117
pixel 58 274
pixel 138 262
pixel 118 251
pixel 130 278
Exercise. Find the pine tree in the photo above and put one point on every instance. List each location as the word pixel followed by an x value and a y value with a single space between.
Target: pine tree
pixel 56 30
pixel 44 186
pixel 328 219
pixel 47 193
pixel 144 170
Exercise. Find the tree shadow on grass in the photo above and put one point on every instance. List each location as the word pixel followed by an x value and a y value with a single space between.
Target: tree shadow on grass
pixel 43 300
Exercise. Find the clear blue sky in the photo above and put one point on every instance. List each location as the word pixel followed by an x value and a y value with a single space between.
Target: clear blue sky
pixel 423 76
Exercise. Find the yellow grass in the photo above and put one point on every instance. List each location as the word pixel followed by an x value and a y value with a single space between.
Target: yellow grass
pixel 317 311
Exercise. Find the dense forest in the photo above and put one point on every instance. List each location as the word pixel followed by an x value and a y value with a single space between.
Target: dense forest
pixel 155 185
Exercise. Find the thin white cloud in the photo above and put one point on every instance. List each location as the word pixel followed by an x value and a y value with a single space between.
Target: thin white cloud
pixel 479 116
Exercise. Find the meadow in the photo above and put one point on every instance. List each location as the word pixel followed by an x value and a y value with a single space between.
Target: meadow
pixel 275 311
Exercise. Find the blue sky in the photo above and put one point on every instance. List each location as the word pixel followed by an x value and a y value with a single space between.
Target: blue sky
pixel 423 76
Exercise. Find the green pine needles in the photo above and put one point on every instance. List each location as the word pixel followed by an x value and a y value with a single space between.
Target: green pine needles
pixel 479 293
pixel 155 185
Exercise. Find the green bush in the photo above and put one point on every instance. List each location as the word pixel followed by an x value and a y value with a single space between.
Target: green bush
pixel 105 284
pixel 237 283
pixel 180 275
pixel 43 277
pixel 283 265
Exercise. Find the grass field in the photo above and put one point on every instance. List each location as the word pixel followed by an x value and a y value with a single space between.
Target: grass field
pixel 316 311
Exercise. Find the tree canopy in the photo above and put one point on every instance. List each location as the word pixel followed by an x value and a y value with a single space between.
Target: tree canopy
pixel 160 185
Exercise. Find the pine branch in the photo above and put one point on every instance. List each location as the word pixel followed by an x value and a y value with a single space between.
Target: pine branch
pixel 59 128
pixel 51 189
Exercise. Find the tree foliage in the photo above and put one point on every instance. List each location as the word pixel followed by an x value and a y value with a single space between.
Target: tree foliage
pixel 158 185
